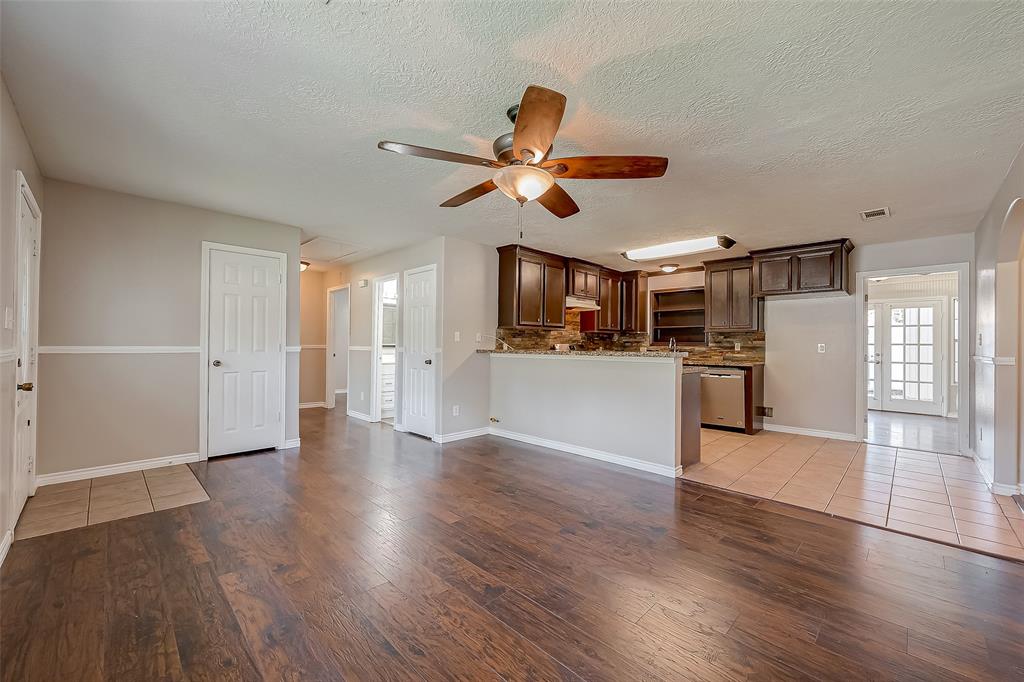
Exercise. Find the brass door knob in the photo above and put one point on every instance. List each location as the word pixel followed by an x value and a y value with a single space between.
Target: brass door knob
pixel 27 386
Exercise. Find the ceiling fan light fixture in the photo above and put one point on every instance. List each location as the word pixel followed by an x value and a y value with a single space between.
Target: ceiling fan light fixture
pixel 669 267
pixel 522 182
pixel 680 248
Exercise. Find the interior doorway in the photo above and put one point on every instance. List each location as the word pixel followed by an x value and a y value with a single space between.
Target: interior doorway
pixel 385 348
pixel 338 326
pixel 28 230
pixel 912 383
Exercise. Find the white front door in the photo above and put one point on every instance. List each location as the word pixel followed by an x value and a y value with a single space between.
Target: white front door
pixel 912 362
pixel 27 332
pixel 419 340
pixel 246 352
pixel 873 355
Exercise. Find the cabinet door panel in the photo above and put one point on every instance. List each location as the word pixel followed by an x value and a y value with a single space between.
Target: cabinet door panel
pixel 775 275
pixel 610 299
pixel 718 300
pixel 531 293
pixel 554 296
pixel 740 295
pixel 815 271
pixel 590 289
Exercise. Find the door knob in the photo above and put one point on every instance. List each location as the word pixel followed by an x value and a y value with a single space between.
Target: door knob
pixel 428 362
pixel 217 363
pixel 27 386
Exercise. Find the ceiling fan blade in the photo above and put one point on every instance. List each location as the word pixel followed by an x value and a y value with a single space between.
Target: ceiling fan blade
pixel 607 167
pixel 558 201
pixel 439 154
pixel 540 114
pixel 470 194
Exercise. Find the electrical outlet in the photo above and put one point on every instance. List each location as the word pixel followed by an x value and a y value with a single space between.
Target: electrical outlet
pixel 8 317
pixel 458 337
pixel 479 337
pixel 821 348
pixel 737 346
pixel 456 410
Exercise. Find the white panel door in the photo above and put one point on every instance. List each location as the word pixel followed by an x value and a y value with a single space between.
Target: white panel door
pixel 27 332
pixel 873 355
pixel 420 342
pixel 913 359
pixel 246 353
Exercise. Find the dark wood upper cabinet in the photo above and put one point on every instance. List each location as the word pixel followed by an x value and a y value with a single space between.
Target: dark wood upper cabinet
pixel 635 302
pixel 807 268
pixel 531 288
pixel 583 279
pixel 609 289
pixel 729 303
pixel 554 294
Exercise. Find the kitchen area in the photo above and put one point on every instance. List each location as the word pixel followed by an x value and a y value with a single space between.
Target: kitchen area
pixel 626 366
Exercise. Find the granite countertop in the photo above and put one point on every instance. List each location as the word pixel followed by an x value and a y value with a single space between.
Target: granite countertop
pixel 695 359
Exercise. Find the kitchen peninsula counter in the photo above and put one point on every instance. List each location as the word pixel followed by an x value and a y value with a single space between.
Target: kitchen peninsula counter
pixel 636 409
pixel 694 359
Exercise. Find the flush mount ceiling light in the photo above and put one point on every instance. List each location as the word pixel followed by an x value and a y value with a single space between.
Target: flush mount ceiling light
pixel 303 264
pixel 669 267
pixel 681 248
pixel 523 183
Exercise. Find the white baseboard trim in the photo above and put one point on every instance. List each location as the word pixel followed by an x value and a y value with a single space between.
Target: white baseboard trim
pixel 461 435
pixel 5 545
pixel 660 469
pixel 290 443
pixel 1007 490
pixel 359 415
pixel 340 391
pixel 400 428
pixel 306 406
pixel 111 469
pixel 834 435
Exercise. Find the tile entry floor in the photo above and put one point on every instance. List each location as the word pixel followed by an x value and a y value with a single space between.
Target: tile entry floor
pixel 914 431
pixel 63 506
pixel 931 495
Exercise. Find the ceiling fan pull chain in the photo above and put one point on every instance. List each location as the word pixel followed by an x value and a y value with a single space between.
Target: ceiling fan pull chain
pixel 519 212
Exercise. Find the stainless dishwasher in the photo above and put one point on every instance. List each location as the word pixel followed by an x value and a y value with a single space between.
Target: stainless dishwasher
pixel 722 397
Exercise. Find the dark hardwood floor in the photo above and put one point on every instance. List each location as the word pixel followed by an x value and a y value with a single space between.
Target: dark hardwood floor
pixel 371 554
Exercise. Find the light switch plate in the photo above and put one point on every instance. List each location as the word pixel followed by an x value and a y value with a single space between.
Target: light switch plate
pixel 821 348
pixel 458 337
pixel 8 317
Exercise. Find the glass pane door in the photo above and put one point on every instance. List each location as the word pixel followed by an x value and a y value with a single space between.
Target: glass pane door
pixel 912 359
pixel 873 356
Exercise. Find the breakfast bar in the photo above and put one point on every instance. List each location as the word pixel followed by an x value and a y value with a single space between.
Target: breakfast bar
pixel 636 409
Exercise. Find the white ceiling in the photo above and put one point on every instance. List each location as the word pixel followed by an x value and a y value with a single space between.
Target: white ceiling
pixel 780 121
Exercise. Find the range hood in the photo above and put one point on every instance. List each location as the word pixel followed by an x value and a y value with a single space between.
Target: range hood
pixel 573 303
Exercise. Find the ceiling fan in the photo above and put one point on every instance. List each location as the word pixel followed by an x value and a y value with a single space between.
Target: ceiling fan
pixel 524 171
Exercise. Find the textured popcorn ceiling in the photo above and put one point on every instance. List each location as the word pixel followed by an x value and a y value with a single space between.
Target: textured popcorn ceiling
pixel 780 121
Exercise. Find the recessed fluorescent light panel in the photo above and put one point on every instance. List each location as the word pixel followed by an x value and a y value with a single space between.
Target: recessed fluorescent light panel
pixel 683 248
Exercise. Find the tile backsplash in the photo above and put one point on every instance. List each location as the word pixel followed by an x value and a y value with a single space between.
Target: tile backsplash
pixel 545 339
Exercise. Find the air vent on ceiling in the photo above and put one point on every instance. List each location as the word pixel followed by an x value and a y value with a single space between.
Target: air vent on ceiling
pixel 875 213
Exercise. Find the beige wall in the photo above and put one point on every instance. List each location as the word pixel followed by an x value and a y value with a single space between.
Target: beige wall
pixel 15 155
pixel 313 336
pixel 470 307
pixel 997 432
pixel 811 390
pixel 122 270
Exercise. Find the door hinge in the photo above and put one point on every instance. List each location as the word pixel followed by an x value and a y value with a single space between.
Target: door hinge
pixel 280 278
pixel 35 247
pixel 29 422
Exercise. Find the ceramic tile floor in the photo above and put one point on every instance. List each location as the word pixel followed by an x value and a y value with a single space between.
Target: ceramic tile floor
pixel 931 495
pixel 63 506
